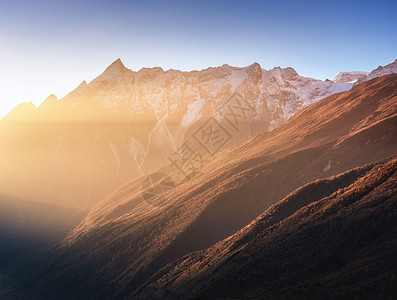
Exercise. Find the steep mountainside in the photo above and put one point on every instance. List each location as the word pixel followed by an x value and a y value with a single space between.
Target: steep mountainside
pixel 332 238
pixel 124 124
pixel 126 239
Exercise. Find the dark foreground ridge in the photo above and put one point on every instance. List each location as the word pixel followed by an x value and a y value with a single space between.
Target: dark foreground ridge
pixel 323 240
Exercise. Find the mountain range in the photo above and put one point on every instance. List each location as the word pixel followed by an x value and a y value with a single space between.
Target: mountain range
pixel 124 124
pixel 306 207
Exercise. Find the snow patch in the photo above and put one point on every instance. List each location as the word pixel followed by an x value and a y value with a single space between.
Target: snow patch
pixel 327 167
pixel 237 78
pixel 193 112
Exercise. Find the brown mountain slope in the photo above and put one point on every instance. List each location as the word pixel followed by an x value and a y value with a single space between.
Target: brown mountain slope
pixel 320 241
pixel 125 240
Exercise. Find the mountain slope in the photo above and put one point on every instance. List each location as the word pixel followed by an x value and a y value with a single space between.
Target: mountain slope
pixel 331 238
pixel 125 239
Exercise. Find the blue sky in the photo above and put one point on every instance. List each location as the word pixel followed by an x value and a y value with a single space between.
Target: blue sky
pixel 51 46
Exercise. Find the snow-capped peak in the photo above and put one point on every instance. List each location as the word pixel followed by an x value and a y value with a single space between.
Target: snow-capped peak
pixel 349 77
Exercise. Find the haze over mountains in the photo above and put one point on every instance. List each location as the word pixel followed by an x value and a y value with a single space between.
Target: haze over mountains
pixel 130 248
pixel 69 154
pixel 77 170
pixel 209 161
pixel 125 124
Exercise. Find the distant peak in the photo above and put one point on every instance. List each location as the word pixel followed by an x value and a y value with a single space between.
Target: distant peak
pixel 49 101
pixel 80 87
pixel 255 65
pixel 254 69
pixel 28 105
pixel 118 62
pixel 22 112
pixel 288 73
pixel 117 65
pixel 153 69
pixel 349 77
pixel 114 71
pixel 51 97
pixel 83 84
